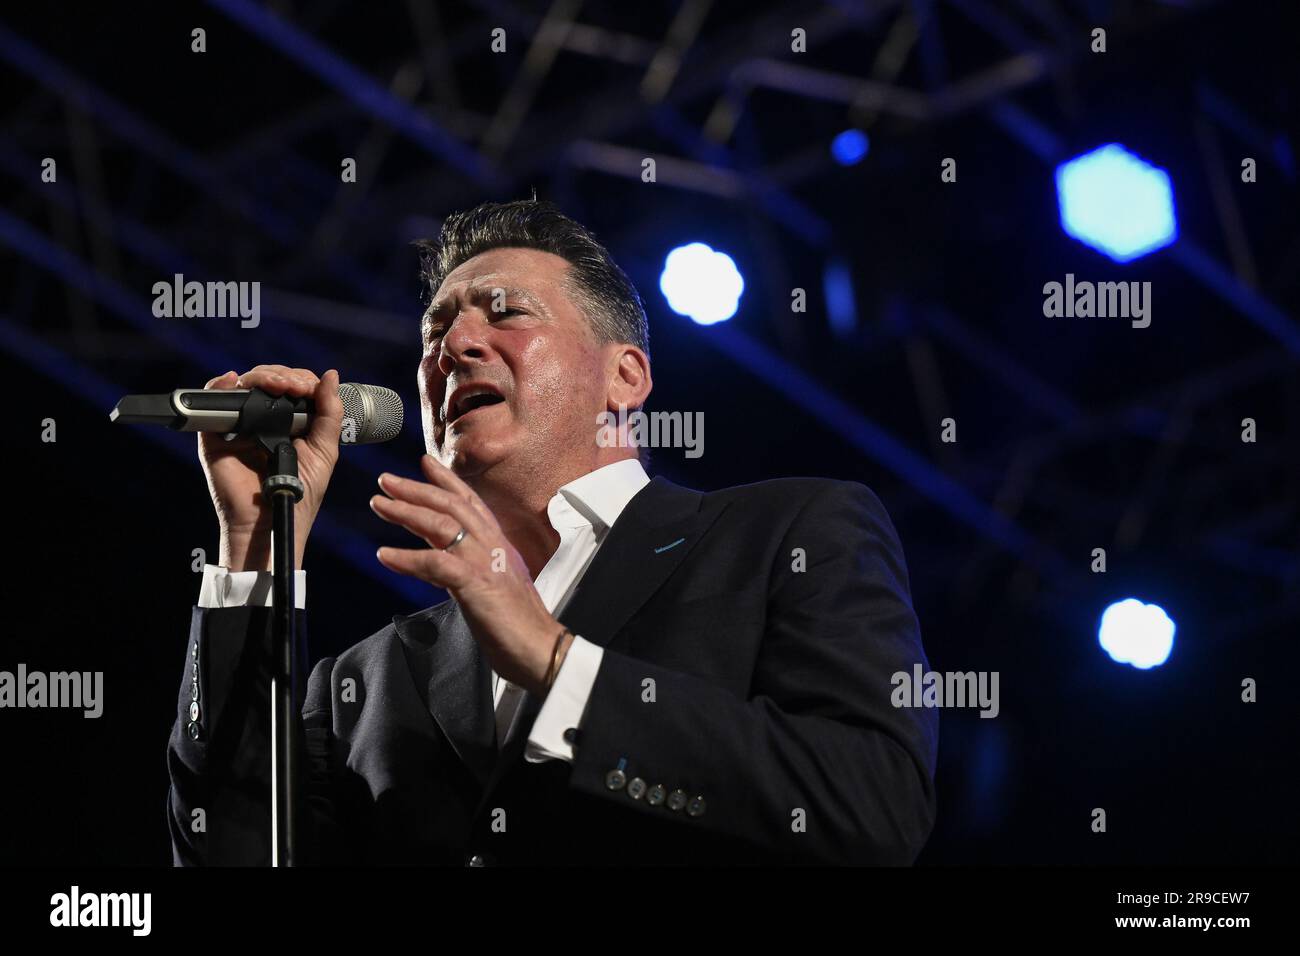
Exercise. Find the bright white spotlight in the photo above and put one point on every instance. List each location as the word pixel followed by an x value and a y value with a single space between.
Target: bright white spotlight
pixel 1116 202
pixel 1135 633
pixel 701 283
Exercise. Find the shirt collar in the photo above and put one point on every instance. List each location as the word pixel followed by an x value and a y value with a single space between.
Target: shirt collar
pixel 600 496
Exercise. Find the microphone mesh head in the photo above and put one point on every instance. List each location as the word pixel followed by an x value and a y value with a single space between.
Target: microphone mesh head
pixel 375 413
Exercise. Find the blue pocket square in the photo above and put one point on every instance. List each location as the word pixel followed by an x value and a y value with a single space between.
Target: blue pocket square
pixel 667 546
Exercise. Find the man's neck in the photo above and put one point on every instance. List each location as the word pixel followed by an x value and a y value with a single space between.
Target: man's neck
pixel 522 514
pixel 519 501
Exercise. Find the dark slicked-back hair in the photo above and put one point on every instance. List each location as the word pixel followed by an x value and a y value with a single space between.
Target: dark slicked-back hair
pixel 600 288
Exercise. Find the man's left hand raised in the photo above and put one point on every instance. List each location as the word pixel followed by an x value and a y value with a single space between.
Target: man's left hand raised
pixel 493 587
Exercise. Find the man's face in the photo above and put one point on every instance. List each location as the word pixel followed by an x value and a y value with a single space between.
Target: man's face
pixel 505 319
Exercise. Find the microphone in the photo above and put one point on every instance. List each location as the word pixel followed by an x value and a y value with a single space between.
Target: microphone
pixel 371 413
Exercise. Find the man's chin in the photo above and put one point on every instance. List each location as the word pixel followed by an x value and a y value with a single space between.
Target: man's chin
pixel 468 456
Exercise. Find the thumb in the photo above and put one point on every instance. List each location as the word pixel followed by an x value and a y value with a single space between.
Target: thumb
pixel 328 420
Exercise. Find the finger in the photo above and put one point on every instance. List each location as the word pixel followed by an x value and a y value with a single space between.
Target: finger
pixel 434 528
pixel 328 421
pixel 209 442
pixel 439 568
pixel 304 377
pixel 283 370
pixel 273 383
pixel 278 380
pixel 302 382
pixel 328 401
pixel 437 499
pixel 440 476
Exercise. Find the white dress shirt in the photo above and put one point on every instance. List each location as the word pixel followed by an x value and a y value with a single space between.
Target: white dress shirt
pixel 582 512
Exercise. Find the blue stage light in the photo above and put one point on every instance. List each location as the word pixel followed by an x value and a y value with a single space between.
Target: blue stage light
pixel 1116 202
pixel 841 309
pixel 701 283
pixel 850 146
pixel 1135 633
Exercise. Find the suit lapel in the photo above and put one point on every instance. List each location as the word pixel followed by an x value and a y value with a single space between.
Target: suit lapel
pixel 455 680
pixel 653 535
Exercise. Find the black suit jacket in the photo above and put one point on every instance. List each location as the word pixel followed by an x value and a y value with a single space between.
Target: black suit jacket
pixel 750 635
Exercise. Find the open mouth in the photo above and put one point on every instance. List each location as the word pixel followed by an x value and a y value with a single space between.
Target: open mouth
pixel 471 404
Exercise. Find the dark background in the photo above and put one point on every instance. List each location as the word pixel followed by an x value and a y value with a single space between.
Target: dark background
pixel 1073 434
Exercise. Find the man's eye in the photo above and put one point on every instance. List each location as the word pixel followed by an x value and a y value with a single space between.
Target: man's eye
pixel 436 332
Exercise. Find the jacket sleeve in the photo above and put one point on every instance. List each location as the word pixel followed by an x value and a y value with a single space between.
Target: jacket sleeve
pixel 219 765
pixel 817 765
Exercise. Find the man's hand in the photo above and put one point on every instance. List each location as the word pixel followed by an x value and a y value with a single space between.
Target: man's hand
pixel 483 572
pixel 234 468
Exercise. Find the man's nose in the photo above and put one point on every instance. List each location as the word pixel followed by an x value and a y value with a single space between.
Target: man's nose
pixel 463 340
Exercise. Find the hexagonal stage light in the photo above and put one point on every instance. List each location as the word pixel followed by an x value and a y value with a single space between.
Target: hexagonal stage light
pixel 1116 202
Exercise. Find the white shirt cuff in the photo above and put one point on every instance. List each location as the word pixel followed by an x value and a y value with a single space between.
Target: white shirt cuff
pixel 565 704
pixel 225 588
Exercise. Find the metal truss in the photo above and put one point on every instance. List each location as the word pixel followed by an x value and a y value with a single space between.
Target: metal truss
pixel 691 85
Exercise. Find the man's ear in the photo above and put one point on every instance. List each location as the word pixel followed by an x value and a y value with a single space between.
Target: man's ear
pixel 629 378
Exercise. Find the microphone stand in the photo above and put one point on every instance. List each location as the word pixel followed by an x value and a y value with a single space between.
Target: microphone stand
pixel 270 421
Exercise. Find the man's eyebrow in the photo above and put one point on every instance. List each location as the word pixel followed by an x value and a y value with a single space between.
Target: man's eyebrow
pixel 436 310
pixel 439 308
pixel 489 292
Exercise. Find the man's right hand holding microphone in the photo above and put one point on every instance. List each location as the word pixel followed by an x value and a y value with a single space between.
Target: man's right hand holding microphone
pixel 234 468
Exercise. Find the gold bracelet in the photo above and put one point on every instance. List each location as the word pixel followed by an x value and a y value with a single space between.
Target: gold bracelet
pixel 552 672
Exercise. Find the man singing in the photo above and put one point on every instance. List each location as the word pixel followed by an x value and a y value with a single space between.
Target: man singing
pixel 628 671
